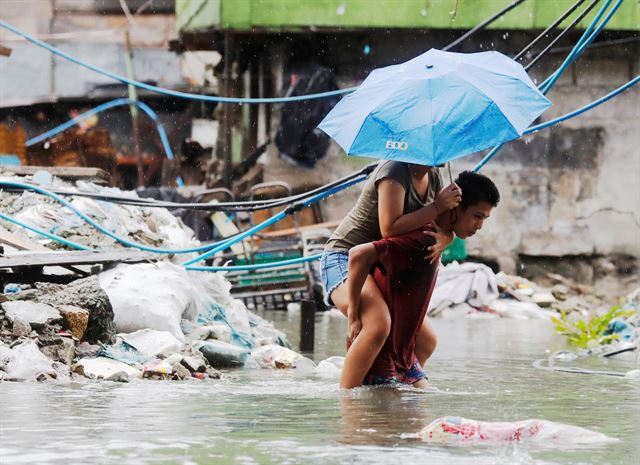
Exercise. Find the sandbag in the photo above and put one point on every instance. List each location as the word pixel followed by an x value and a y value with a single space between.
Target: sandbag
pixel 151 296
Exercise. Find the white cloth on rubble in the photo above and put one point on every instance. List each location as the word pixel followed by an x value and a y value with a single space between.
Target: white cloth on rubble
pixel 470 283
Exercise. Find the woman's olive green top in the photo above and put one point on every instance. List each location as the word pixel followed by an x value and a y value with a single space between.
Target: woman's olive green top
pixel 361 224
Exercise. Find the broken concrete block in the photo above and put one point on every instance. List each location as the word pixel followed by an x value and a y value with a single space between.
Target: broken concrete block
pixel 63 351
pixel 193 364
pixel 560 291
pixel 543 299
pixel 85 293
pixel 34 313
pixel 20 328
pixel 118 376
pixel 181 372
pixel 74 319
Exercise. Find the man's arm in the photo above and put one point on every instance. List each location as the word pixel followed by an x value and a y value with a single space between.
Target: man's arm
pixel 361 259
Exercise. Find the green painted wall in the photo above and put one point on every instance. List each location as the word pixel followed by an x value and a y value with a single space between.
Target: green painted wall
pixel 432 14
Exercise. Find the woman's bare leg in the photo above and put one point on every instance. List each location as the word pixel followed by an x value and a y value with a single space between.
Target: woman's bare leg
pixel 422 384
pixel 425 342
pixel 376 325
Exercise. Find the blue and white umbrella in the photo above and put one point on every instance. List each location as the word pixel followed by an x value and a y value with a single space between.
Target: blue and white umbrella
pixel 436 107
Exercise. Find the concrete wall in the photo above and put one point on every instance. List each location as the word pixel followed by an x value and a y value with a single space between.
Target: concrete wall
pixel 99 39
pixel 569 194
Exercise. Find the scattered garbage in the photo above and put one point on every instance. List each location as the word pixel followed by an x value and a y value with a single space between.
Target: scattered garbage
pixel 222 354
pixel 106 368
pixel 168 295
pixel 331 366
pixel 151 343
pixel 150 226
pixel 458 430
pixel 275 356
pixel 25 362
pixel 147 320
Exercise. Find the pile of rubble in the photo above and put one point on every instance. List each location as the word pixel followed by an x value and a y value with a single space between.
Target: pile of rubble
pixel 148 320
pixel 155 227
pixel 188 328
pixel 473 290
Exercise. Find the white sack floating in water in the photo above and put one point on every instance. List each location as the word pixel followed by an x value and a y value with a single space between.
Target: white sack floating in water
pixel 458 430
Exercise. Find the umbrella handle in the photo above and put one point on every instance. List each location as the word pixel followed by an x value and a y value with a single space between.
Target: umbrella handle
pixel 449 170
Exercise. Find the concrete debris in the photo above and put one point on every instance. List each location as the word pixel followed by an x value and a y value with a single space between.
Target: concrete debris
pixel 133 321
pixel 87 294
pixel 75 319
pixel 20 328
pixel 63 350
pixel 34 313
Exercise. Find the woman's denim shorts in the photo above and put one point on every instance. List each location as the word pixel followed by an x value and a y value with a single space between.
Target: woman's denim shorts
pixel 333 271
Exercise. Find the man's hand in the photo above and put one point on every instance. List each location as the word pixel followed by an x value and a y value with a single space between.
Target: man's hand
pixel 354 329
pixel 448 198
pixel 443 239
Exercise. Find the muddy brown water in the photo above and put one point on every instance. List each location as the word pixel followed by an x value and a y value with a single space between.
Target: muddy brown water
pixel 482 369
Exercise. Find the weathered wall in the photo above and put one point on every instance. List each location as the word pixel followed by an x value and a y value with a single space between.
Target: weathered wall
pixel 572 191
pixel 99 39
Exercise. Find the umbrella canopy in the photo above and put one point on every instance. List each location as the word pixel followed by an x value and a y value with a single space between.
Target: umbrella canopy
pixel 436 107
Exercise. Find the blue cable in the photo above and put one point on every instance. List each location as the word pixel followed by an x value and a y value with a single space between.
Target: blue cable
pixel 105 106
pixel 274 219
pixel 75 245
pixel 172 93
pixel 586 39
pixel 101 228
pixel 216 247
pixel 52 236
pixel 585 108
pixel 259 266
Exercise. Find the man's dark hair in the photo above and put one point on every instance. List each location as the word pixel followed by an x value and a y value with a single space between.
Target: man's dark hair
pixel 477 188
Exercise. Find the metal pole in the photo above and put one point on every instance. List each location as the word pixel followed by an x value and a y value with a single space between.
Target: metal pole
pixel 307 325
pixel 135 121
pixel 227 113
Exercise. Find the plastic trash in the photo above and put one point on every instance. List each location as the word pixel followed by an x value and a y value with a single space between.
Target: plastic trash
pixel 151 296
pixel 222 354
pixel 157 369
pixel 24 362
pixel 275 356
pixel 105 368
pixel 625 330
pixel 151 343
pixel 458 430
pixel 331 366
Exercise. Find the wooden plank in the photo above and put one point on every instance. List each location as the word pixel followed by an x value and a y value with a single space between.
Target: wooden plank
pixel 64 172
pixel 19 242
pixel 73 258
pixel 292 231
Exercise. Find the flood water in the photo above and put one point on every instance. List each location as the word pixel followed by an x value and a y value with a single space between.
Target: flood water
pixel 482 369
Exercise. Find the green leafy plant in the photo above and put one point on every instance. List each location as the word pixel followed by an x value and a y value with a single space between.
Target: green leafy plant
pixel 589 333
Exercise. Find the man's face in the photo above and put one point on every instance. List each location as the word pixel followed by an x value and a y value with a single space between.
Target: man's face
pixel 470 220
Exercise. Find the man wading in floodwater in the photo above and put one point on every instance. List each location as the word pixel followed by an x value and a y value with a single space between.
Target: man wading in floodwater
pixel 406 280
